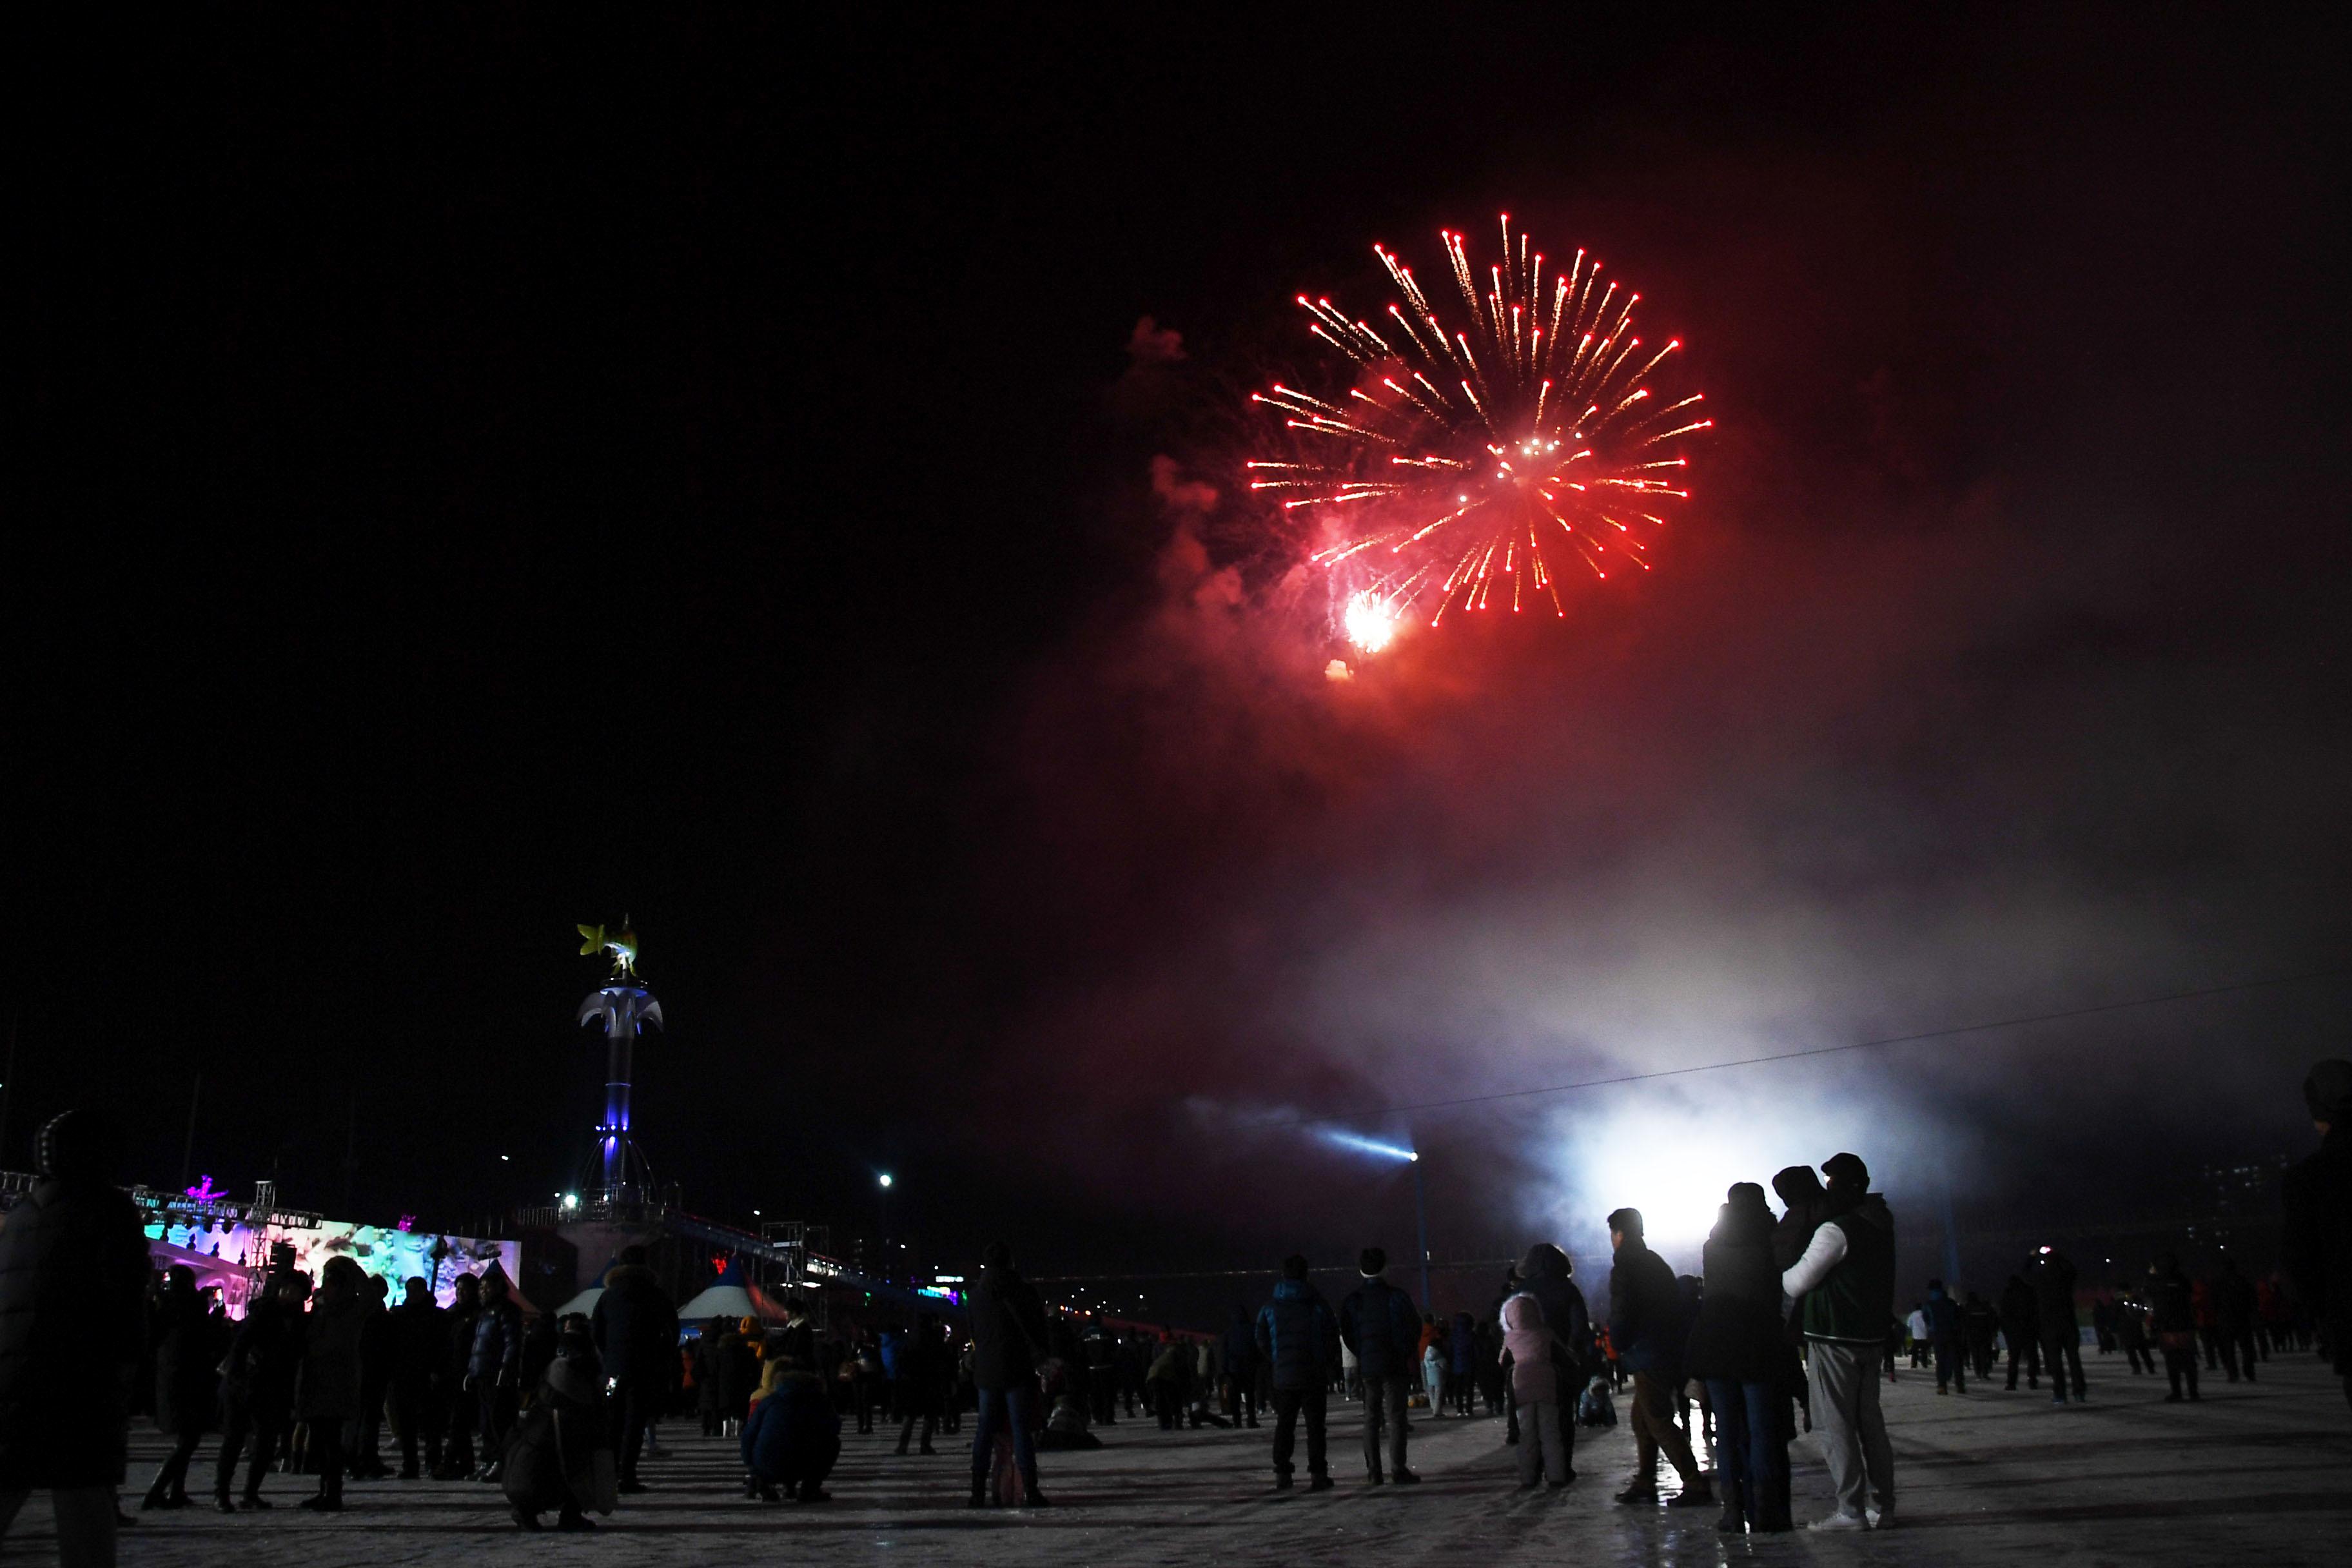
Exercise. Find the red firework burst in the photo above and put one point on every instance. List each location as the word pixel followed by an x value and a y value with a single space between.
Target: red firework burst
pixel 1463 466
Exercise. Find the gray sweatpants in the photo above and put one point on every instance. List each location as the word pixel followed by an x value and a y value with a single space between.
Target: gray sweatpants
pixel 1843 1380
pixel 1543 1451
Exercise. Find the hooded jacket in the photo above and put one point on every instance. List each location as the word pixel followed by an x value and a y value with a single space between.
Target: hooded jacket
pixel 1379 1323
pixel 635 1327
pixel 1547 1274
pixel 1528 1341
pixel 1844 1283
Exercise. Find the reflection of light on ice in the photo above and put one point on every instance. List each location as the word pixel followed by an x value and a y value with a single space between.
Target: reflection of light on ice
pixel 1369 621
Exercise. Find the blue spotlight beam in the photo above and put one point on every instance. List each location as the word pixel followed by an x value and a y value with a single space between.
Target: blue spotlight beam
pixel 1365 1145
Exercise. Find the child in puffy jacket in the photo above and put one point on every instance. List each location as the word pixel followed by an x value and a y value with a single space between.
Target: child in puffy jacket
pixel 792 1436
pixel 1594 1408
pixel 1527 1347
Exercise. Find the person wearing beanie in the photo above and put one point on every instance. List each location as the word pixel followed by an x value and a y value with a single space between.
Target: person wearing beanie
pixel 1298 1340
pixel 2318 1198
pixel 73 1282
pixel 1845 1285
pixel 1379 1323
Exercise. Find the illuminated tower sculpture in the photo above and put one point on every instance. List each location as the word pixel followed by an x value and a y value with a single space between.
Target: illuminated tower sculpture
pixel 621 1007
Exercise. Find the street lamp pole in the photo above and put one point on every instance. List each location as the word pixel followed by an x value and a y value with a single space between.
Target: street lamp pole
pixel 882 1204
pixel 1421 1225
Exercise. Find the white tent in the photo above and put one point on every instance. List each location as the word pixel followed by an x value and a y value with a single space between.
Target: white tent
pixel 583 1303
pixel 724 1300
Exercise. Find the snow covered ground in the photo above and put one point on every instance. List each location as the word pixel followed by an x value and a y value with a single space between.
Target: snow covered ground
pixel 2257 1473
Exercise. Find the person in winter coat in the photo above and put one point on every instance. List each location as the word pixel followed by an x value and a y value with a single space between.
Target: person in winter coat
pixel 1169 1382
pixel 1100 1348
pixel 2020 1328
pixel 1979 1325
pixel 708 1357
pixel 328 1392
pixel 1501 1372
pixel 413 1396
pixel 1845 1285
pixel 1378 1322
pixel 187 1354
pixel 463 1317
pixel 1462 1363
pixel 1802 1197
pixel 1241 1367
pixel 1297 1337
pixel 793 1435
pixel 739 1373
pixel 73 1279
pixel 494 1369
pixel 1535 1383
pixel 2131 1331
pixel 2172 1313
pixel 2052 1275
pixel 257 1387
pixel 1432 1376
pixel 1737 1348
pixel 1547 1274
pixel 1008 1334
pixel 1647 1326
pixel 636 1329
pixel 1947 1334
pixel 920 1371
pixel 551 1460
pixel 2233 1302
pixel 2317 1200
pixel 364 1433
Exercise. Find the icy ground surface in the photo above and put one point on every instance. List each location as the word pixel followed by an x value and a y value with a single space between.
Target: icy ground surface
pixel 2257 1474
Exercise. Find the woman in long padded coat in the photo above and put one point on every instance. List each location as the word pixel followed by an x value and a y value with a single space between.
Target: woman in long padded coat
pixel 1737 1347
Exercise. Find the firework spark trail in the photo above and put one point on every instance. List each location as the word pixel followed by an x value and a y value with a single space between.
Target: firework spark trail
pixel 1456 459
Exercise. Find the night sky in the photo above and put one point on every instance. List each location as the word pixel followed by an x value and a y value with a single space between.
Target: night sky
pixel 495 476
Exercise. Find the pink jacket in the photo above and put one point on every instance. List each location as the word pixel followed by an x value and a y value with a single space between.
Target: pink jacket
pixel 1529 1341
